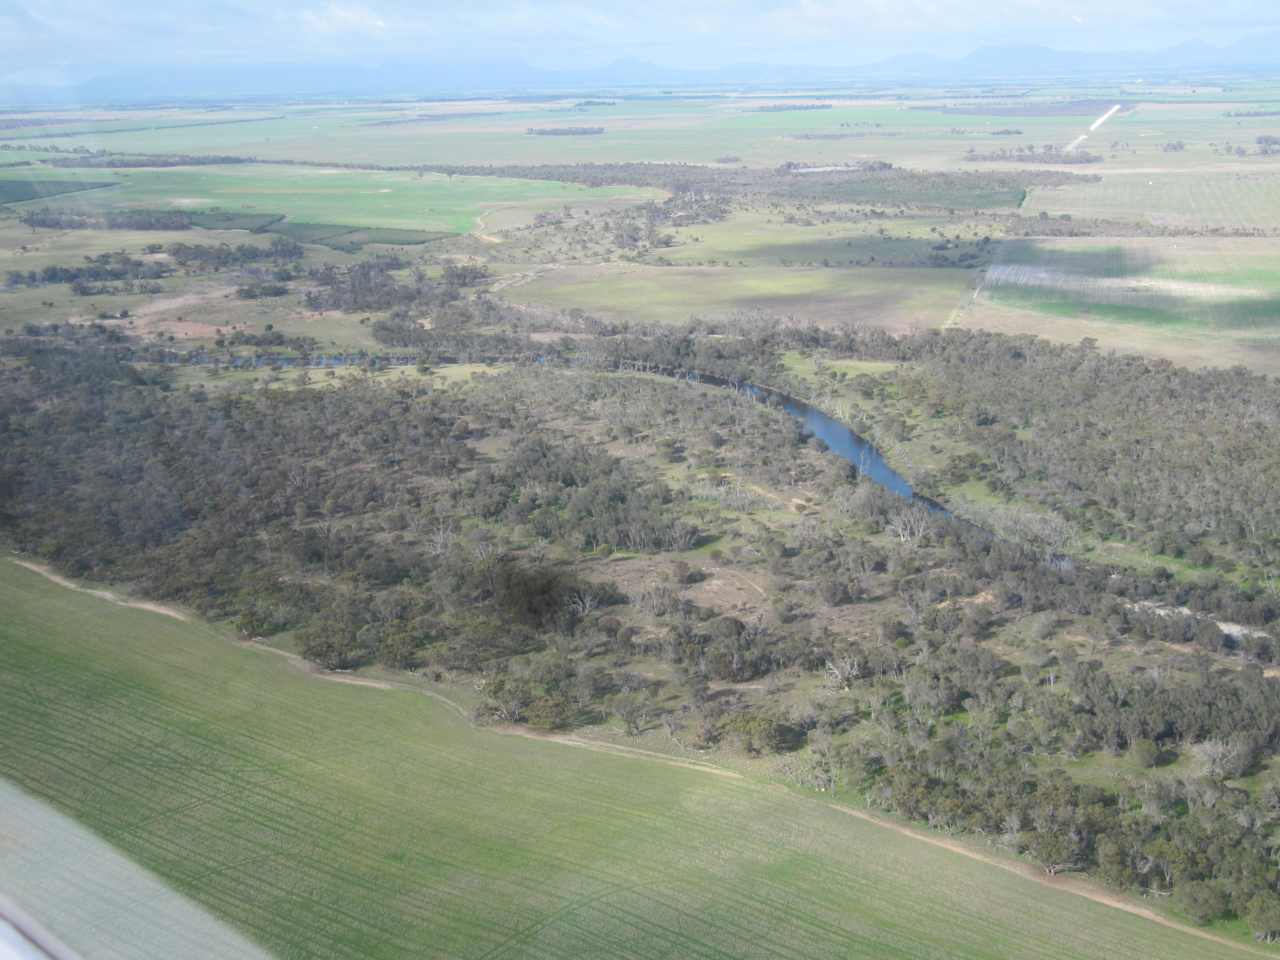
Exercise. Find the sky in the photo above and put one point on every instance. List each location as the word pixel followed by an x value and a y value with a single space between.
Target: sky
pixel 41 38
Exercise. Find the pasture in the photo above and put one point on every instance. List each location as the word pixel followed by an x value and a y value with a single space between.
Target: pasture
pixel 328 819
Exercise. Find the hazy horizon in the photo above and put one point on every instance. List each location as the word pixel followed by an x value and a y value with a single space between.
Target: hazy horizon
pixel 70 40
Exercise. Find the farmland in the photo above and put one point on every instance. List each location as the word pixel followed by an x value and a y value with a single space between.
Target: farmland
pixel 895 249
pixel 931 129
pixel 334 820
pixel 329 196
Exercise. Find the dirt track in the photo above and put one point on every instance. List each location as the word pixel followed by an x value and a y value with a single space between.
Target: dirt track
pixel 103 594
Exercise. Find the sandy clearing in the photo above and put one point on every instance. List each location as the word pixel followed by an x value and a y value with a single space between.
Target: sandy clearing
pixel 183 302
pixel 486 237
pixel 107 595
pixel 1067 884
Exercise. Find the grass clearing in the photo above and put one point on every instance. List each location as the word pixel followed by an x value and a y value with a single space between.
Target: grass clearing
pixel 331 820
pixel 807 365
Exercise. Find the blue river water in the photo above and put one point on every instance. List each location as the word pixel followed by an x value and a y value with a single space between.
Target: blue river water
pixel 849 446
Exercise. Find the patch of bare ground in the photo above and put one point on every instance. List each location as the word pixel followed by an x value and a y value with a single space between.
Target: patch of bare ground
pixel 162 306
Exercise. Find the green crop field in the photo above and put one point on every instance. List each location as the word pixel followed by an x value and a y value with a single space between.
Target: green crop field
pixel 400 201
pixel 333 820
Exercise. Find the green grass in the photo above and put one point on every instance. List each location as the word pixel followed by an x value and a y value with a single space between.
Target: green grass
pixel 328 820
pixel 399 201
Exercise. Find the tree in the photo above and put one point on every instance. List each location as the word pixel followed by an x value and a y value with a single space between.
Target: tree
pixel 1263 916
pixel 1202 902
pixel 508 697
pixel 909 523
pixel 1144 753
pixel 632 708
pixel 1055 848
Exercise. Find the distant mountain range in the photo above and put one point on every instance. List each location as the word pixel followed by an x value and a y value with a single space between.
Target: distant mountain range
pixel 161 84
